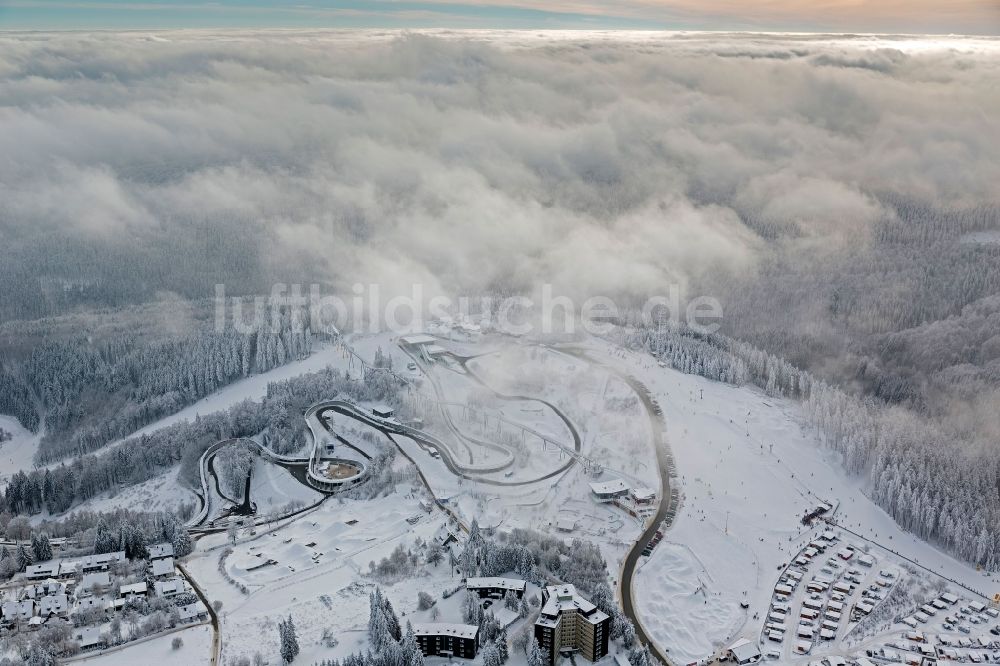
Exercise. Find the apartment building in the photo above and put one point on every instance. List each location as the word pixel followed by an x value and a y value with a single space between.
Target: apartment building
pixel 568 622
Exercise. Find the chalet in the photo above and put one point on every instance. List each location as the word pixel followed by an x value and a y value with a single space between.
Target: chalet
pixel 447 640
pixel 863 608
pixel 744 652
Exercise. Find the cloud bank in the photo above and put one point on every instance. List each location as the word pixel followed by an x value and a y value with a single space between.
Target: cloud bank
pixel 600 162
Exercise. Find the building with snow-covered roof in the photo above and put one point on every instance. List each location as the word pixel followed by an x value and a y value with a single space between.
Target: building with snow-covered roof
pixel 568 622
pixel 565 524
pixel 744 652
pixel 42 571
pixel 442 639
pixel 416 339
pixel 92 603
pixel 160 550
pixel 56 604
pixel 98 562
pixel 642 495
pixel 88 638
pixel 17 611
pixel 496 587
pixel 192 612
pixel 133 589
pixel 93 583
pixel 163 567
pixel 606 491
pixel 169 588
pixel 383 411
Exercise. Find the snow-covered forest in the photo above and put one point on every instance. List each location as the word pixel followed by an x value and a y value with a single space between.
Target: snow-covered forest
pixel 941 483
pixel 84 394
pixel 278 417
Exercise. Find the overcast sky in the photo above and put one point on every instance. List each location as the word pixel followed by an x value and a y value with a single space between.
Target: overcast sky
pixel 981 17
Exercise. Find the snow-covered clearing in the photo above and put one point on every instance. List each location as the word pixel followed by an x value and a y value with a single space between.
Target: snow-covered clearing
pixel 317 562
pixel 251 388
pixel 197 649
pixel 273 487
pixel 17 453
pixel 163 492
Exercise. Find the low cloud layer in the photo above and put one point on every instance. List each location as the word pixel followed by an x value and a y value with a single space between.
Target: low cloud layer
pixel 602 162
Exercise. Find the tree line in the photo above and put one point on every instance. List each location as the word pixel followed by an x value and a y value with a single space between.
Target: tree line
pixel 278 416
pixel 85 394
pixel 939 483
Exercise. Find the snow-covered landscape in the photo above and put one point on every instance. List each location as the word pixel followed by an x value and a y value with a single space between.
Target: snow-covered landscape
pixel 399 333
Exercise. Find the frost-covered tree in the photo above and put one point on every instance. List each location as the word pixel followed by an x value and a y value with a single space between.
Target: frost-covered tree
pixel 535 656
pixel 23 557
pixel 501 643
pixel 40 547
pixel 289 647
pixel 490 655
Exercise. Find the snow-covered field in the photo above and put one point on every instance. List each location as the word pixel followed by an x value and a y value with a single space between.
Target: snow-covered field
pixel 196 649
pixel 747 467
pixel 273 488
pixel 315 575
pixel 163 492
pixel 17 453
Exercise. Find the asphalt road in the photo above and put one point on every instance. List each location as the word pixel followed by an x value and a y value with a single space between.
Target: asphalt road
pixel 656 425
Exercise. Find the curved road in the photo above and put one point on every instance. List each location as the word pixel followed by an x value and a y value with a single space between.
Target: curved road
pixel 655 416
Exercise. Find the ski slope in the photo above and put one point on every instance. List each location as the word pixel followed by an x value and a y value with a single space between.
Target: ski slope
pixel 748 469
